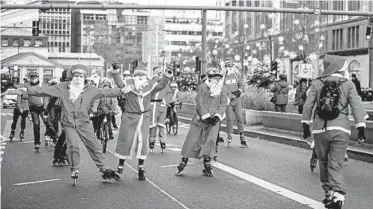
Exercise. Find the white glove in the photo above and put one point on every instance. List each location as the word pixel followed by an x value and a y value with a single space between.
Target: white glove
pixel 91 115
pixel 127 89
pixel 21 90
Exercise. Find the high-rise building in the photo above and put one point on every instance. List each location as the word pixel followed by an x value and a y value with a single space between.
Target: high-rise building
pixel 56 25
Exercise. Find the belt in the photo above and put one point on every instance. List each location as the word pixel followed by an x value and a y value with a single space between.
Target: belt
pixel 137 113
pixel 156 100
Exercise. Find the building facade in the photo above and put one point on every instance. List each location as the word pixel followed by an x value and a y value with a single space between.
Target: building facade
pixel 342 35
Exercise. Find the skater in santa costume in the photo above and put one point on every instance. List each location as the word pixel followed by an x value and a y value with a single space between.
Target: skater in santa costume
pixel 158 113
pixel 211 104
pixel 134 128
pixel 332 93
pixel 76 99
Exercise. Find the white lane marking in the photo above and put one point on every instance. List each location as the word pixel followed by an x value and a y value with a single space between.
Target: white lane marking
pixel 175 149
pixel 157 187
pixel 36 182
pixel 8 124
pixel 6 114
pixel 26 142
pixel 169 166
pixel 271 187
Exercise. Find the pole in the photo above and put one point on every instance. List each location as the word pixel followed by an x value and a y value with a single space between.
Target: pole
pixel 370 51
pixel 183 7
pixel 204 41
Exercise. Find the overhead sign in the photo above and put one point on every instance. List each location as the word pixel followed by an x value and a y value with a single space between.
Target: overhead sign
pixel 305 70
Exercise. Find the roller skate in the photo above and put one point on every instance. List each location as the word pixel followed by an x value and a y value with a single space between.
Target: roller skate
pixel 243 141
pixel 11 135
pixel 74 176
pixel 313 164
pixel 163 146
pixel 208 167
pixel 334 200
pixel 181 166
pixel 63 161
pixel 109 174
pixel 21 136
pixel 229 140
pixel 141 173
pixel 151 146
pixel 216 152
pixel 47 139
pixel 120 168
pixel 37 147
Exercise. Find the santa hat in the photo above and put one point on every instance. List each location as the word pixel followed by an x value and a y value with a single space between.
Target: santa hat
pixel 141 69
pixel 79 69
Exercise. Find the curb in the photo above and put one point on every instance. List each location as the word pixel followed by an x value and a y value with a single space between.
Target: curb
pixel 352 153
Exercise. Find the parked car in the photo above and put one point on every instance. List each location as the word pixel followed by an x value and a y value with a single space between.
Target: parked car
pixel 10 98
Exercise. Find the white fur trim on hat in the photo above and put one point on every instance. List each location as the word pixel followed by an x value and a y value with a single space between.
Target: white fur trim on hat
pixel 79 71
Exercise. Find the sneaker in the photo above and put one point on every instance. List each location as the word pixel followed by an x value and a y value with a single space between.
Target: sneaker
pixel 243 141
pixel 47 139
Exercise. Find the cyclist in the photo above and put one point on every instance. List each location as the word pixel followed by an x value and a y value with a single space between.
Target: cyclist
pixel 172 97
pixel 106 107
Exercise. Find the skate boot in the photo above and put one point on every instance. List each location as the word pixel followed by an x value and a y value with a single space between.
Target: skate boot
pixel 21 136
pixel 229 140
pixel 208 167
pixel 163 146
pixel 74 176
pixel 327 199
pixel 313 164
pixel 141 172
pixel 120 168
pixel 181 166
pixel 243 141
pixel 109 174
pixel 151 146
pixel 55 162
pixel 338 200
pixel 11 135
pixel 220 139
pixel 47 139
pixel 37 147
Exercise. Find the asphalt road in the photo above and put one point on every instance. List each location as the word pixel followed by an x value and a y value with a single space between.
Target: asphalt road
pixel 265 175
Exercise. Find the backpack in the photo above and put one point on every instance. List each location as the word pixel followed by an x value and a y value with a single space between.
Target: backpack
pixel 327 106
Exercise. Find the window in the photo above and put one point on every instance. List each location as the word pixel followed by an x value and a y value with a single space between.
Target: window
pixel 337 42
pixel 26 43
pixel 142 20
pixel 353 5
pixel 15 43
pixel 241 3
pixel 4 42
pixel 353 37
pixel 38 43
pixel 337 5
pixel 184 32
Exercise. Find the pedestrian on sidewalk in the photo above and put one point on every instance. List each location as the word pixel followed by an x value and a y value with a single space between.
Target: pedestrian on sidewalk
pixel 76 97
pixel 134 128
pixel 211 103
pixel 234 83
pixel 300 95
pixel 280 92
pixel 332 93
pixel 158 112
pixel 21 109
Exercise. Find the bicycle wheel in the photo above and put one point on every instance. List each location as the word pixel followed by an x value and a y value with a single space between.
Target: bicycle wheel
pixel 105 138
pixel 175 126
pixel 168 127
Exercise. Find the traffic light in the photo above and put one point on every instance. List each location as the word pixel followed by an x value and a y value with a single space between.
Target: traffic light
pixel 274 67
pixel 35 28
pixel 135 64
pixel 368 33
pixel 198 66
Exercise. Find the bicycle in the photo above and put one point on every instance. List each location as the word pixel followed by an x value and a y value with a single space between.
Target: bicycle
pixel 172 121
pixel 104 131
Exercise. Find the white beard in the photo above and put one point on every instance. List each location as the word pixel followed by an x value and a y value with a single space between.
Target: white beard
pixel 75 91
pixel 215 88
pixel 140 84
pixel 230 71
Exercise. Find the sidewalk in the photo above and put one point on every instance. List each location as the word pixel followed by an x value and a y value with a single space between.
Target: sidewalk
pixel 362 152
